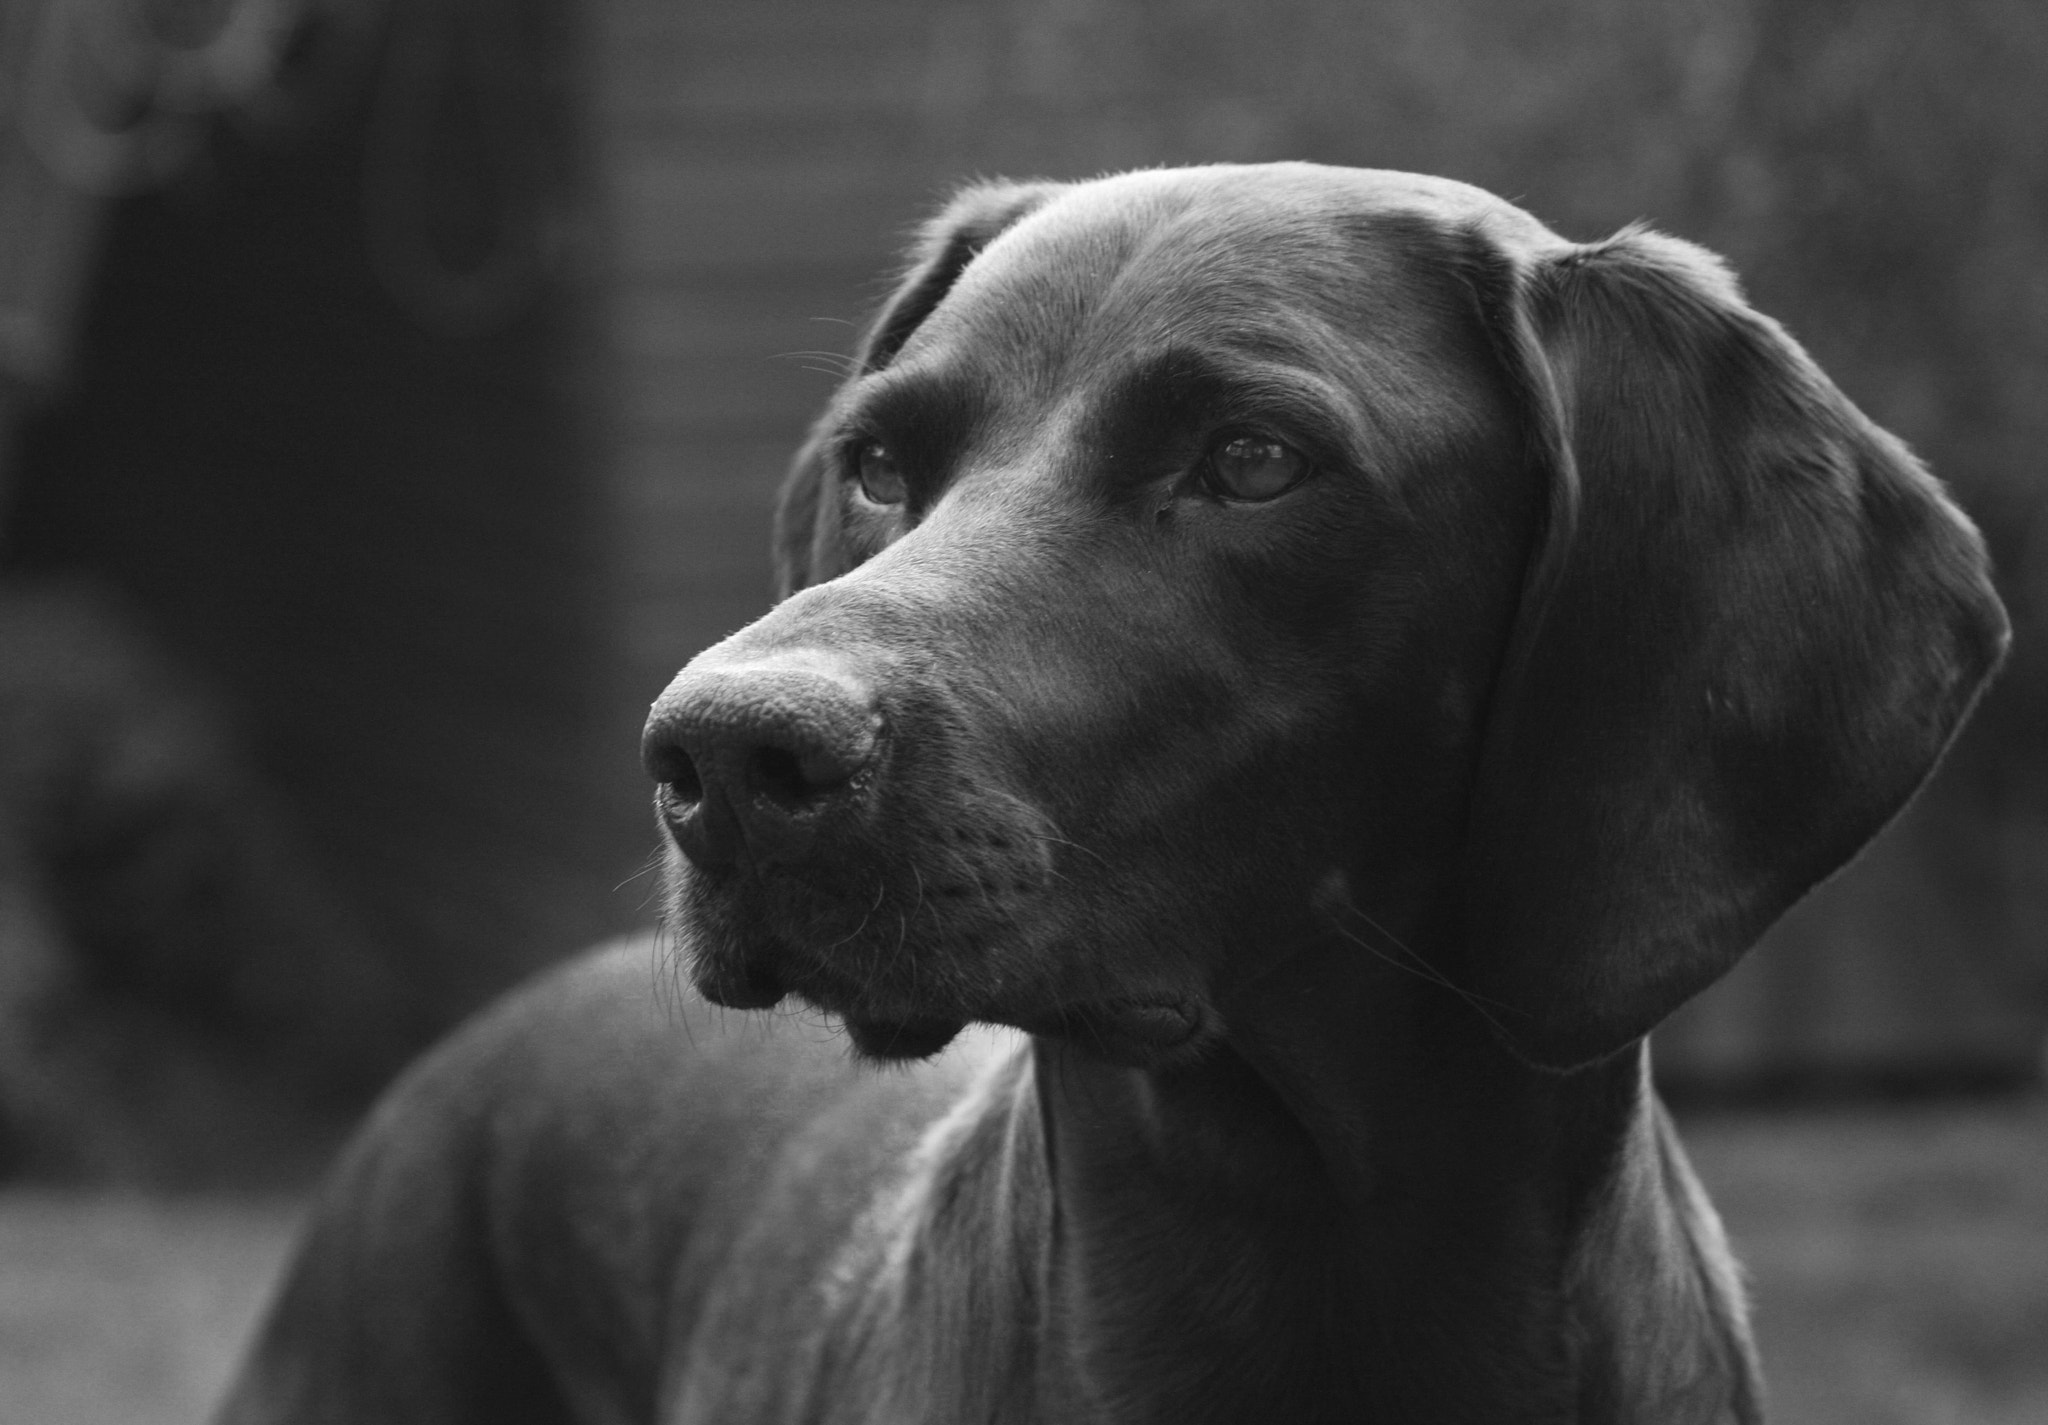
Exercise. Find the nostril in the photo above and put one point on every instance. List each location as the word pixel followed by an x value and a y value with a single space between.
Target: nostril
pixel 790 781
pixel 677 773
pixel 752 757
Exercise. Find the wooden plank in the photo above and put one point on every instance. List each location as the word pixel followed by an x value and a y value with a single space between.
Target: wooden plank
pixel 752 358
pixel 703 478
pixel 745 320
pixel 817 80
pixel 868 140
pixel 715 395
pixel 712 214
pixel 648 21
pixel 661 634
pixel 694 516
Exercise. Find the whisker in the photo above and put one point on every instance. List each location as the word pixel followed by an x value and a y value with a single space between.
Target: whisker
pixel 1421 960
pixel 666 970
pixel 902 936
pixel 651 864
pixel 881 890
pixel 1065 841
pixel 1427 976
pixel 1416 964
pixel 839 362
pixel 962 864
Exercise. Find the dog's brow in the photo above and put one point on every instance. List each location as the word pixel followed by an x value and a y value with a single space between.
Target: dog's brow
pixel 935 410
pixel 1183 391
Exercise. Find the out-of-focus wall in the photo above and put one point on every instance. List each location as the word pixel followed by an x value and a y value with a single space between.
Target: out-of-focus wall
pixel 1877 171
pixel 315 443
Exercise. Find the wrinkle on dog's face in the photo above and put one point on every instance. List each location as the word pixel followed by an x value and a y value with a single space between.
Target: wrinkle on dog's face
pixel 1131 725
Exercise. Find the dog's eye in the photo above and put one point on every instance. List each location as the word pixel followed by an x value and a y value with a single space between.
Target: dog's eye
pixel 881 479
pixel 1253 467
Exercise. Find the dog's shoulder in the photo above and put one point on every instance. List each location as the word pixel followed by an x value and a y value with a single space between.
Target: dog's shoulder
pixel 597 1147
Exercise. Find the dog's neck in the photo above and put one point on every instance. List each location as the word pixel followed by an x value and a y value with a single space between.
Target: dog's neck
pixel 1260 1237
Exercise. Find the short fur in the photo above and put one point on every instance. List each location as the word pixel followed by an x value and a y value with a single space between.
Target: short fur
pixel 1333 852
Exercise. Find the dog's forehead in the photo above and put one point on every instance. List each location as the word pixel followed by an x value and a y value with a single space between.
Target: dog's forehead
pixel 1356 280
pixel 1262 256
pixel 1269 198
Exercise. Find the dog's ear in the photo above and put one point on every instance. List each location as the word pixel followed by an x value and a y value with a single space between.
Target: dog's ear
pixel 806 526
pixel 1749 630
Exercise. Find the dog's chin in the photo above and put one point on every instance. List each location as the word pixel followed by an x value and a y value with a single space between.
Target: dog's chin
pixel 739 986
pixel 897 1040
pixel 883 1033
pixel 1145 1031
pixel 1138 1033
pixel 1134 1033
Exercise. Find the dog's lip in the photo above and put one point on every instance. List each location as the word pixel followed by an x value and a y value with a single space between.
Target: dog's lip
pixel 1140 1024
pixel 1139 1031
pixel 1146 1023
pixel 874 1012
pixel 888 1023
pixel 879 1031
pixel 744 985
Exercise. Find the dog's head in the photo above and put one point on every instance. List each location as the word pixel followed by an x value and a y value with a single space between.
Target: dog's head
pixel 1198 560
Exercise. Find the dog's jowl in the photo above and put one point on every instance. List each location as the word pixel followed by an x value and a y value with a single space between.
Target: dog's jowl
pixel 1287 674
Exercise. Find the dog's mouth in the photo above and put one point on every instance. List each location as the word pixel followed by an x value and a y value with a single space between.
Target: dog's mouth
pixel 882 1025
pixel 1139 1031
pixel 960 938
pixel 906 949
pixel 1134 1032
pixel 885 1035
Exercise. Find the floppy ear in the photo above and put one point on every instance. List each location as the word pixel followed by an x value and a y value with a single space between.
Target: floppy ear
pixel 806 526
pixel 1752 625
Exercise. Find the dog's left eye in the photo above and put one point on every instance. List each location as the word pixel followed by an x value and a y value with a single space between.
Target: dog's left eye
pixel 882 479
pixel 1252 467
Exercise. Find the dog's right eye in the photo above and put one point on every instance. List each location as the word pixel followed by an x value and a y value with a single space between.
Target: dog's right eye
pixel 882 481
pixel 1253 468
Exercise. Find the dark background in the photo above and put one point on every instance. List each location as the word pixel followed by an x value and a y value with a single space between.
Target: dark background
pixel 383 423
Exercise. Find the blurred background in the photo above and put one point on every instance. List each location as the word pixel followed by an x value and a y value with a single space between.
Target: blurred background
pixel 392 397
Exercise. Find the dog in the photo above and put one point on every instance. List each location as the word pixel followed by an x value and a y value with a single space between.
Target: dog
pixel 1286 675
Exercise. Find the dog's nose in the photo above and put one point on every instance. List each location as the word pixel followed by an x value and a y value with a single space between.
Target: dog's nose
pixel 756 756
